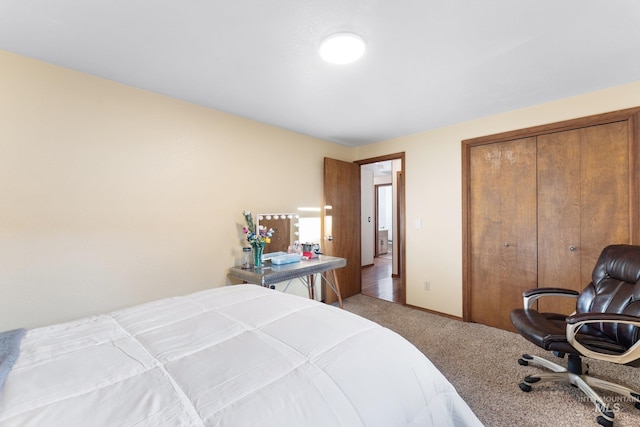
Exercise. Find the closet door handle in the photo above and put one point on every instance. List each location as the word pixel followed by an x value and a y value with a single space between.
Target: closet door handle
pixel 507 244
pixel 572 248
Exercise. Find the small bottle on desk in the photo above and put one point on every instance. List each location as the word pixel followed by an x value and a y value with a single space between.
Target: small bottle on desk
pixel 246 261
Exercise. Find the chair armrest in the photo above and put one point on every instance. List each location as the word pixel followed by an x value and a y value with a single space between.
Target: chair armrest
pixel 530 296
pixel 577 321
pixel 584 318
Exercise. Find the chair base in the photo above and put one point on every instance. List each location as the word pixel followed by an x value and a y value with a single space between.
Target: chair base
pixel 578 377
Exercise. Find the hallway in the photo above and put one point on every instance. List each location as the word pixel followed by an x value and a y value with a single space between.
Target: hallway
pixel 378 283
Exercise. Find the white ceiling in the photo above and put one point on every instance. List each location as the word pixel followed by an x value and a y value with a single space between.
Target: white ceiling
pixel 379 168
pixel 428 63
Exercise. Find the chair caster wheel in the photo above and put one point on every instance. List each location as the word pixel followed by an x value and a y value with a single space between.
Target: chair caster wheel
pixel 525 387
pixel 523 362
pixel 604 422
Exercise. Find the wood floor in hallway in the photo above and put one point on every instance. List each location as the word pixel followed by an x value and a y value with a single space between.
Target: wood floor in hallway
pixel 377 281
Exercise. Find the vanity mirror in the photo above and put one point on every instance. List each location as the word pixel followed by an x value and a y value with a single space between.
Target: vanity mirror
pixel 302 226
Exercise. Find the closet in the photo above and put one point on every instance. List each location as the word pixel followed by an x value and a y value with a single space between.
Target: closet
pixel 538 207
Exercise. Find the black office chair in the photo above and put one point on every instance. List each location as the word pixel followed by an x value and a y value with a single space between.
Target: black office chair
pixel 605 326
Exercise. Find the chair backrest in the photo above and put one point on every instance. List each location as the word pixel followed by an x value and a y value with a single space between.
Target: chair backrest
pixel 615 288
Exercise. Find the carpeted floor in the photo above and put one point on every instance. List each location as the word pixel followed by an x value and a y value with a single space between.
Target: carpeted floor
pixel 481 363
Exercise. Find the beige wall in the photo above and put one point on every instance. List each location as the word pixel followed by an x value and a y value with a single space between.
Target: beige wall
pixel 433 188
pixel 111 196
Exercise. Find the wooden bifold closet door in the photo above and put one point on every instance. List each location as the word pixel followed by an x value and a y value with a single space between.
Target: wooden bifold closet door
pixel 583 205
pixel 539 210
pixel 503 236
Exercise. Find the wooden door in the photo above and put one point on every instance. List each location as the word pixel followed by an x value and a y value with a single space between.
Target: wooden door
pixel 341 223
pixel 559 217
pixel 605 193
pixel 502 205
pixel 583 205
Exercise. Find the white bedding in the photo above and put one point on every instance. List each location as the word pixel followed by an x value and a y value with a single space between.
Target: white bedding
pixel 234 356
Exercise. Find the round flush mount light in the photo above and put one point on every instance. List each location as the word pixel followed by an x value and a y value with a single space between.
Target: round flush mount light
pixel 342 48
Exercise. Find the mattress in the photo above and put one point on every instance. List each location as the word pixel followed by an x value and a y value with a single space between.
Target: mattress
pixel 238 355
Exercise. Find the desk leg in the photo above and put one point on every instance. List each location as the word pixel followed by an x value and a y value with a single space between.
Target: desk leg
pixel 312 290
pixel 337 285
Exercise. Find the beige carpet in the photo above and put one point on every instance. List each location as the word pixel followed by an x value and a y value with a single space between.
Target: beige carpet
pixel 481 362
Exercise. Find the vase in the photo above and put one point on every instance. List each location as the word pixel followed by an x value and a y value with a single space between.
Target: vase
pixel 257 254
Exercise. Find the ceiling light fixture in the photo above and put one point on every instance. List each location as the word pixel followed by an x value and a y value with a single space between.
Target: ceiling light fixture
pixel 342 48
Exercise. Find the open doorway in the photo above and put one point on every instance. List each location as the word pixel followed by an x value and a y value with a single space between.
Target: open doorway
pixel 382 219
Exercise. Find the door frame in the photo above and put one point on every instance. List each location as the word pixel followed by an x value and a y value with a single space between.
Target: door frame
pixel 400 225
pixel 631 115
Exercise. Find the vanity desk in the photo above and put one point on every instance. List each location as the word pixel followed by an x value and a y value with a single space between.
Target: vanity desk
pixel 303 270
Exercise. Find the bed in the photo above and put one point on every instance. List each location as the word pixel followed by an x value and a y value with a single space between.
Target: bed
pixel 238 355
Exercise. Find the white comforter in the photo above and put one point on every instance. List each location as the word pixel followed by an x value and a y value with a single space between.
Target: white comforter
pixel 234 356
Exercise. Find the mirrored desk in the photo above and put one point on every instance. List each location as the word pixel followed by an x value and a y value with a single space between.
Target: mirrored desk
pixel 304 270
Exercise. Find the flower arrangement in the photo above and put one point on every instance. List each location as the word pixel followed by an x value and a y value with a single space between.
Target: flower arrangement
pixel 255 237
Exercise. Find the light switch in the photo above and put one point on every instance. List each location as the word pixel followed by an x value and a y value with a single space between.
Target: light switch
pixel 417 223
